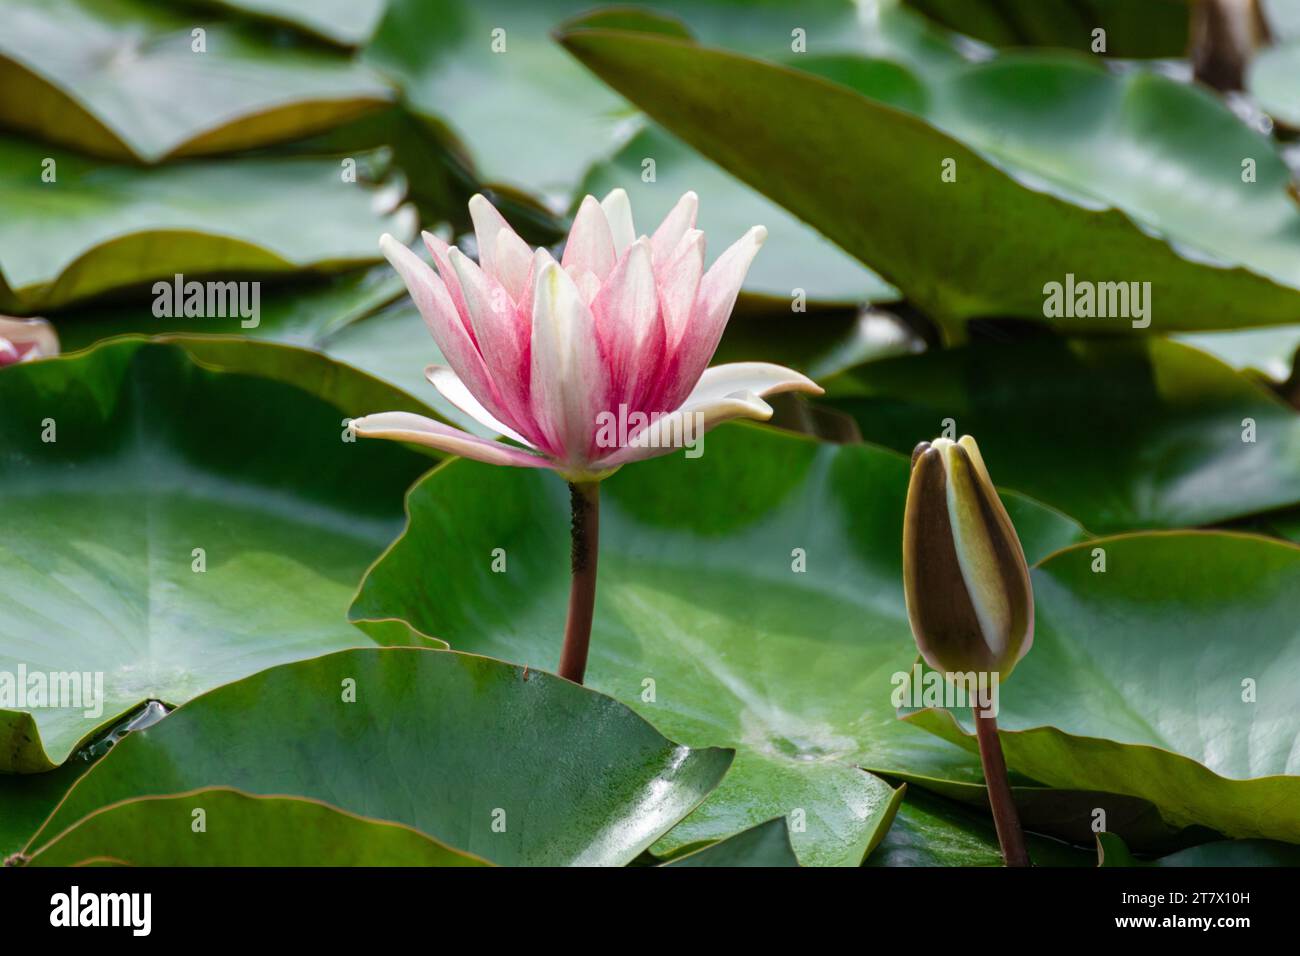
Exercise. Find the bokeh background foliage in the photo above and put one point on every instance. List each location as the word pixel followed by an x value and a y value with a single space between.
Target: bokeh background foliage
pixel 737 713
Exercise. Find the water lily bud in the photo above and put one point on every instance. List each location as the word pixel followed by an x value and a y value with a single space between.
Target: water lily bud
pixel 969 599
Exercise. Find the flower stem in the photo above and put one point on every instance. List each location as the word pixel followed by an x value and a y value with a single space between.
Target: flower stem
pixel 585 498
pixel 1005 818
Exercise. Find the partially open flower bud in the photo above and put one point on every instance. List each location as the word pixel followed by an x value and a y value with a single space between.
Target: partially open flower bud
pixel 969 599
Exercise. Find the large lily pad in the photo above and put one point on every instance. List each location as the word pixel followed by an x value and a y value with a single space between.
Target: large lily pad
pixel 99 228
pixel 1115 196
pixel 515 766
pixel 1169 676
pixel 1117 433
pixel 239 829
pixel 150 458
pixel 123 79
pixel 686 545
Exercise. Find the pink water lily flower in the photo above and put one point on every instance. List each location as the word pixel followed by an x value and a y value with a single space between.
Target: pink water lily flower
pixel 23 340
pixel 552 354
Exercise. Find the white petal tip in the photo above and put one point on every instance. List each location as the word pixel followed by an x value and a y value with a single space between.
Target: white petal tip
pixel 760 234
pixel 436 245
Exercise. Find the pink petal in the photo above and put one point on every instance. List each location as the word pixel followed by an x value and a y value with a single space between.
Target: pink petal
pixel 501 253
pixel 679 285
pixel 629 326
pixel 445 324
pixel 670 433
pixel 569 378
pixel 680 218
pixel 455 391
pixel 591 244
pixel 440 252
pixel 501 334
pixel 717 297
pixel 404 426
pixel 586 281
pixel 618 211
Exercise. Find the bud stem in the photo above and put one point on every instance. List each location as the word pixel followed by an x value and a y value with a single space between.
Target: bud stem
pixel 1005 818
pixel 585 499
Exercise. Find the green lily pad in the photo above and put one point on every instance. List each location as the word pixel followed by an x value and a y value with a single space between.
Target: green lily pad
pixel 125 79
pixel 27 800
pixel 678 635
pixel 1169 677
pixel 151 458
pixel 1119 433
pixel 794 257
pixel 345 22
pixel 1093 174
pixel 512 765
pixel 1282 524
pixel 99 228
pixel 932 831
pixel 1268 352
pixel 1112 852
pixel 767 844
pixel 218 826
pixel 1273 79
